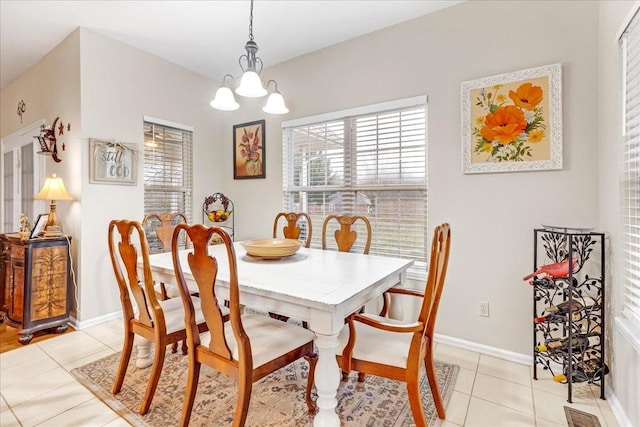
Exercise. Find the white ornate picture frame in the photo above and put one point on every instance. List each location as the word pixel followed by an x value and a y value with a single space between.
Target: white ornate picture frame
pixel 513 122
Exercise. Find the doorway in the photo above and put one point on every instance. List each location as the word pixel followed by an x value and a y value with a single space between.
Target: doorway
pixel 22 175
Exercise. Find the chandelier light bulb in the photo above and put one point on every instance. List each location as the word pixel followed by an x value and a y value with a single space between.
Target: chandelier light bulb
pixel 224 100
pixel 275 104
pixel 251 85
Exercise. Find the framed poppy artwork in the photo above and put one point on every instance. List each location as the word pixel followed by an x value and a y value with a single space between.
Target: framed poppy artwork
pixel 249 150
pixel 513 122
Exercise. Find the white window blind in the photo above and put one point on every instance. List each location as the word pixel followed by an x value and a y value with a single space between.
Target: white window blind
pixel 372 164
pixel 631 172
pixel 168 172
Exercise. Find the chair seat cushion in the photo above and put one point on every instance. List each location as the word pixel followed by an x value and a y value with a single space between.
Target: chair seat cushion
pixel 376 345
pixel 269 338
pixel 172 291
pixel 174 313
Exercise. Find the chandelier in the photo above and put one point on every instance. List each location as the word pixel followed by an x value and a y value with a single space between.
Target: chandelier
pixel 250 83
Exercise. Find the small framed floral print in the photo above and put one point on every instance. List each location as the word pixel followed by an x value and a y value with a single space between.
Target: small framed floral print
pixel 249 150
pixel 513 122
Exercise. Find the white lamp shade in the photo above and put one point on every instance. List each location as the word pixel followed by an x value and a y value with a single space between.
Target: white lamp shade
pixel 224 100
pixel 275 104
pixel 53 189
pixel 251 85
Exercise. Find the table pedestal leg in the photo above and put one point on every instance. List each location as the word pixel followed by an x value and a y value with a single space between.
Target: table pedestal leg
pixel 327 380
pixel 144 357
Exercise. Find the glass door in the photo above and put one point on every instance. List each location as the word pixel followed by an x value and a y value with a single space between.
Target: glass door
pixel 22 173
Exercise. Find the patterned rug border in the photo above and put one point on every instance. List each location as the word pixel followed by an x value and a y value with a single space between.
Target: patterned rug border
pixel 105 395
pixel 136 420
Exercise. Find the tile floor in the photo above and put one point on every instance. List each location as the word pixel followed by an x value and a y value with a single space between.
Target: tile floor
pixel 36 388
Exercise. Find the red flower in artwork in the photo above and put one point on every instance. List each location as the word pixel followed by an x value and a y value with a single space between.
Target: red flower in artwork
pixel 251 145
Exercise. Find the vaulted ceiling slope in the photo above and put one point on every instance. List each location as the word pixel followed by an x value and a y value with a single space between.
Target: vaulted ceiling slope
pixel 203 36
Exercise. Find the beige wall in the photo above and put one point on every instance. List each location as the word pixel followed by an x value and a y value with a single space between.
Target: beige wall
pixel 121 85
pixel 52 89
pixel 104 89
pixel 492 215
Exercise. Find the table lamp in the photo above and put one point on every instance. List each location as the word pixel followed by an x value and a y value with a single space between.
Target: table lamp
pixel 53 189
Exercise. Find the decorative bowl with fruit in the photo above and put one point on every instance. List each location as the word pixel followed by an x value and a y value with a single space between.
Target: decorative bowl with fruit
pixel 217 207
pixel 218 216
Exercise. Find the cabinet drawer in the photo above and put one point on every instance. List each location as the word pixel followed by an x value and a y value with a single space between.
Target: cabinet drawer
pixel 17 251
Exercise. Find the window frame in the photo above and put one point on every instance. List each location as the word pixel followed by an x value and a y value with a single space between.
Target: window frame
pixel 629 321
pixel 183 193
pixel 418 191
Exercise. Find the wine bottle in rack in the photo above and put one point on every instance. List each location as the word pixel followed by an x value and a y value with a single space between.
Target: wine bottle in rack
pixel 564 307
pixel 557 318
pixel 558 283
pixel 587 370
pixel 580 341
pixel 578 309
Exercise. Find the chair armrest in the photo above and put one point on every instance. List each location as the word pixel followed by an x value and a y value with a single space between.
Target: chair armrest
pixel 347 352
pixel 391 327
pixel 403 291
pixel 386 300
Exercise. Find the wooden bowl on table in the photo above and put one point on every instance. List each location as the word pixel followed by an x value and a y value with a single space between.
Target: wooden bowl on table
pixel 271 248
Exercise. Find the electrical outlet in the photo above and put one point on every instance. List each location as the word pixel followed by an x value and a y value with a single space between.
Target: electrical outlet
pixel 483 308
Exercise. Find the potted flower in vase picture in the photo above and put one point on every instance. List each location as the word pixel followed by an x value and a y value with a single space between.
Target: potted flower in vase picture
pixel 249 150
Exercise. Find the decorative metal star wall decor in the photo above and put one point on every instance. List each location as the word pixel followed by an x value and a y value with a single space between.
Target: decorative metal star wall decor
pixel 47 139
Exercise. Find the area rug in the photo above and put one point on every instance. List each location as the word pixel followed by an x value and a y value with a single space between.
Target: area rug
pixel 276 401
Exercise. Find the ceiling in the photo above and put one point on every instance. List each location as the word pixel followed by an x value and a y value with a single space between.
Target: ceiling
pixel 204 36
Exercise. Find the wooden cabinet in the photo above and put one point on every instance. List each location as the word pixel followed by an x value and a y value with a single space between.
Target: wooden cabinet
pixel 35 291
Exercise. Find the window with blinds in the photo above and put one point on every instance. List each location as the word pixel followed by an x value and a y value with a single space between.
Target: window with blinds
pixel 168 172
pixel 631 171
pixel 370 161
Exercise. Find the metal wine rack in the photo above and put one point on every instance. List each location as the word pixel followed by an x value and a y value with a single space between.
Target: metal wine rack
pixel 583 290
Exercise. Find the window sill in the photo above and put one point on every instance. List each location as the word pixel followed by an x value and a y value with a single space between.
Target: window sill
pixel 626 328
pixel 417 274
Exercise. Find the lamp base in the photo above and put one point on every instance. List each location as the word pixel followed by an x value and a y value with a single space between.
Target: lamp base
pixel 52 231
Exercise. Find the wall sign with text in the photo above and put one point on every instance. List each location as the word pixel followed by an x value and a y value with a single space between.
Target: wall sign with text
pixel 112 162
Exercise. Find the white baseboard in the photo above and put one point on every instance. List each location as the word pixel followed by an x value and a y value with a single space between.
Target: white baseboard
pixel 523 359
pixel 96 320
pixel 617 409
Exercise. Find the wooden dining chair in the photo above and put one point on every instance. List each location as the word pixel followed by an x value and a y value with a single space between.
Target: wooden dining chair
pixel 404 346
pixel 292 229
pixel 345 236
pixel 249 346
pixel 158 321
pixel 163 224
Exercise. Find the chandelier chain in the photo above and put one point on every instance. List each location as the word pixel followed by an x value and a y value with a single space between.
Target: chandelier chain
pixel 250 83
pixel 251 22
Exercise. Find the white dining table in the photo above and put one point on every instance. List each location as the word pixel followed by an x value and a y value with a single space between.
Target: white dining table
pixel 321 287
